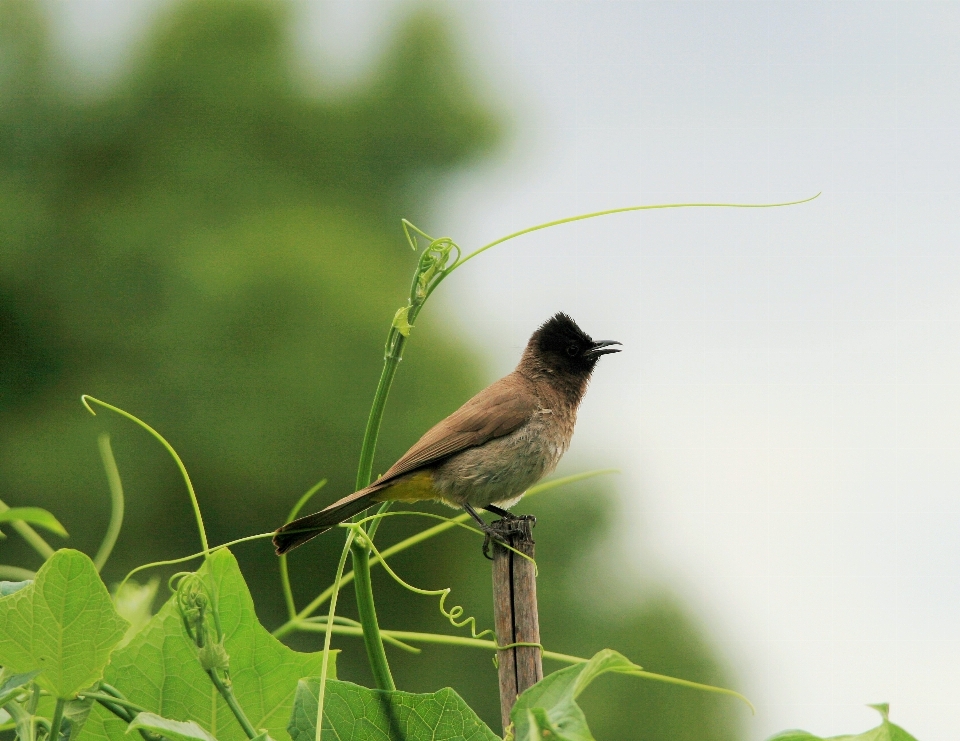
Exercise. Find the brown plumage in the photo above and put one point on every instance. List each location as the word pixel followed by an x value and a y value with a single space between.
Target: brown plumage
pixel 494 447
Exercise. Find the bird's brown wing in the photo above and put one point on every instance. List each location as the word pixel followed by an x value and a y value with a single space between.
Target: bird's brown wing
pixel 496 411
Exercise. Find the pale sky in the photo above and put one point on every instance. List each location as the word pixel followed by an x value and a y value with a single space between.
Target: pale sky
pixel 786 410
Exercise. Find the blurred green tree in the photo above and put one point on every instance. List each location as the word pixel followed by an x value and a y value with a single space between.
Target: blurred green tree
pixel 216 249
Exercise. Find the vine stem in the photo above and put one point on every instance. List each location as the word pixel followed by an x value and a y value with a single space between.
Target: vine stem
pixel 226 692
pixel 105 698
pixel 86 399
pixel 57 721
pixel 626 209
pixel 391 361
pixel 363 585
pixel 113 700
pixel 284 568
pixel 116 502
pixel 372 638
pixel 30 535
pixel 25 720
pixel 15 573
pixel 488 645
pixel 331 615
pixel 192 556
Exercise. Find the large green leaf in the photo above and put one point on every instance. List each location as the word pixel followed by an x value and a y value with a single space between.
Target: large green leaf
pixel 159 669
pixel 63 624
pixel 355 713
pixel 548 709
pixel 886 731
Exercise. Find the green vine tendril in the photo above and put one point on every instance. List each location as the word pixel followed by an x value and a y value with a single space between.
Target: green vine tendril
pixel 453 614
pixel 86 399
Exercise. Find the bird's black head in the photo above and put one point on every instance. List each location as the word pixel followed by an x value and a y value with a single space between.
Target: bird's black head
pixel 561 346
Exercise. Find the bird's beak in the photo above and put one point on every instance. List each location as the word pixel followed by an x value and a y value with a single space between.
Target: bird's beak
pixel 603 347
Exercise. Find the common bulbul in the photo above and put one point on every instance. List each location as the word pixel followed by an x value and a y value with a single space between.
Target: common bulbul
pixel 492 449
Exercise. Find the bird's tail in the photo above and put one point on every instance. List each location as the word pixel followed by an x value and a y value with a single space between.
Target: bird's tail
pixel 300 531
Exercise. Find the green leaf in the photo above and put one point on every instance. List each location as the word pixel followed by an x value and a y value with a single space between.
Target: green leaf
pixel 354 713
pixel 13 684
pixel 34 516
pixel 160 670
pixel 886 731
pixel 9 587
pixel 549 706
pixel 539 726
pixel 133 602
pixel 63 624
pixel 401 321
pixel 102 725
pixel 75 714
pixel 174 730
pixel 24 721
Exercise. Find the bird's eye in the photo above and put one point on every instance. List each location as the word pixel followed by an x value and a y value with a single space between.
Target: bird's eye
pixel 573 350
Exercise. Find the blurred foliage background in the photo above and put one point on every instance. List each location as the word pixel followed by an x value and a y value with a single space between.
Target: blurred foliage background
pixel 216 249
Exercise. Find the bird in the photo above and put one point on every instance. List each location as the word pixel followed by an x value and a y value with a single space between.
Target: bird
pixel 493 448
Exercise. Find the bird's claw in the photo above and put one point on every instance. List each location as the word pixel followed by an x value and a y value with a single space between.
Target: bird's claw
pixel 491 534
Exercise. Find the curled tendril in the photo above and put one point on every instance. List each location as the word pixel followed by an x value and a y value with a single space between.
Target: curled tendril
pixel 433 267
pixel 453 614
pixel 436 261
pixel 173 583
pixel 192 604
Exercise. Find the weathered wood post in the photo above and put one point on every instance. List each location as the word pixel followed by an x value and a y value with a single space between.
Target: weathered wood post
pixel 515 612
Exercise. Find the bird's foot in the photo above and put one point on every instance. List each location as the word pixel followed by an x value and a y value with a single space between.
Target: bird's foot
pixel 491 534
pixel 501 530
pixel 505 514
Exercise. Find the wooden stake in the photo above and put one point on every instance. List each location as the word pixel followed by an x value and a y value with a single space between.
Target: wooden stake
pixel 515 612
